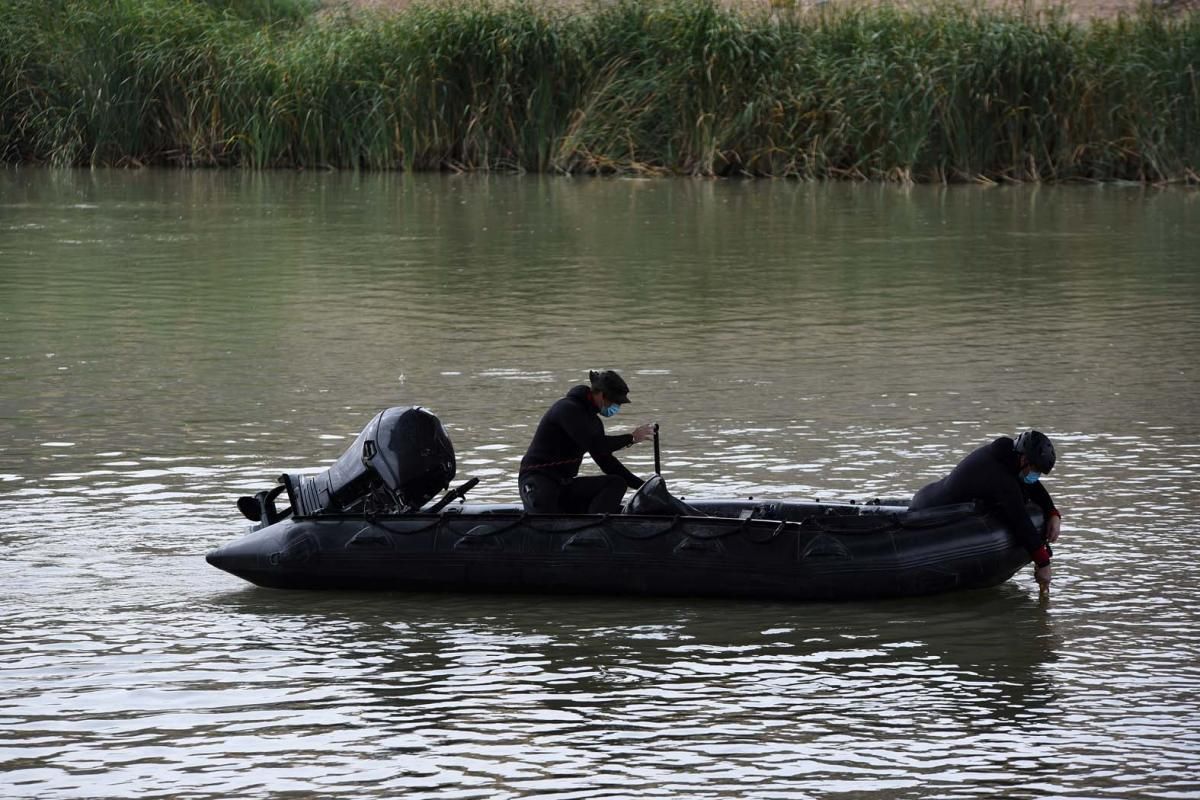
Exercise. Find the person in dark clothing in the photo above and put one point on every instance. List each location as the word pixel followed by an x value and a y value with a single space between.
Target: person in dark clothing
pixel 549 477
pixel 1004 476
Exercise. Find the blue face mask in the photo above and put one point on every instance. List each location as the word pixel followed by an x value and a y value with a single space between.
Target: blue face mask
pixel 1031 477
pixel 610 410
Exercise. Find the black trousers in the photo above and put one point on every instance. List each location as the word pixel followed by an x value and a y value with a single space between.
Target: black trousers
pixel 543 493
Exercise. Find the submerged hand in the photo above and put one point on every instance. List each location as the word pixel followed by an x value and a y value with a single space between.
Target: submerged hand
pixel 1042 576
pixel 643 432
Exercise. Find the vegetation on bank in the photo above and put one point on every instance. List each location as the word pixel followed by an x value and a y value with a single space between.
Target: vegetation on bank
pixel 681 86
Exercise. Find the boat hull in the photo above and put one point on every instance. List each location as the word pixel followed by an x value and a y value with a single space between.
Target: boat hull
pixel 805 552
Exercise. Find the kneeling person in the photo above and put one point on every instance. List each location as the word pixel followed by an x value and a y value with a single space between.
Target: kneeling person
pixel 1003 475
pixel 549 478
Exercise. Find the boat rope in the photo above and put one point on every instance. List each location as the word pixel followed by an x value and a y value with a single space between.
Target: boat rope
pixel 844 524
pixel 717 527
pixel 379 524
pixel 476 533
pixel 743 527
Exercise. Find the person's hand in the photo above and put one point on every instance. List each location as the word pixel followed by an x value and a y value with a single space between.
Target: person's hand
pixel 1042 576
pixel 1053 528
pixel 643 432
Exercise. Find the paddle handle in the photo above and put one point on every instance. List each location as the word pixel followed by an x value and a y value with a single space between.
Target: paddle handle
pixel 657 457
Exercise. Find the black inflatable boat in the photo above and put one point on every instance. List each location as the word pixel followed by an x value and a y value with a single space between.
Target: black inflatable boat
pixel 364 524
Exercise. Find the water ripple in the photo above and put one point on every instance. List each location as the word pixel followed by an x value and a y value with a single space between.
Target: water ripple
pixel 840 342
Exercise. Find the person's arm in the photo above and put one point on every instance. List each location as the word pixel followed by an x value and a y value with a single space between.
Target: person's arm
pixel 588 433
pixel 619 442
pixel 609 464
pixel 1038 494
pixel 1010 505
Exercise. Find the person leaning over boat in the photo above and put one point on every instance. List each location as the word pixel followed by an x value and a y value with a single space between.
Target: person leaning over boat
pixel 549 477
pixel 1004 475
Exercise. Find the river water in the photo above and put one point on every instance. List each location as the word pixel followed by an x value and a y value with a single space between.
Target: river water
pixel 171 340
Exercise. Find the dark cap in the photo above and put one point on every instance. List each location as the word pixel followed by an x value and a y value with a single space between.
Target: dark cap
pixel 612 384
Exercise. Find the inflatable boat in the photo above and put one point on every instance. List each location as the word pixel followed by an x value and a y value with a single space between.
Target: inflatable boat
pixel 365 524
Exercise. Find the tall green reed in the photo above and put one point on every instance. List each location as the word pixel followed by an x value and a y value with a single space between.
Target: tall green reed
pixel 679 86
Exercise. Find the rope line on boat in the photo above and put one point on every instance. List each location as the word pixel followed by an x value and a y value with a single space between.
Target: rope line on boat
pixel 778 529
pixel 706 529
pixel 493 531
pixel 826 527
pixel 653 534
pixel 379 524
pixel 745 526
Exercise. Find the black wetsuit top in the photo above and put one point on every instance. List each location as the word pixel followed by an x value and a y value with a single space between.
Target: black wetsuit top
pixel 568 430
pixel 990 475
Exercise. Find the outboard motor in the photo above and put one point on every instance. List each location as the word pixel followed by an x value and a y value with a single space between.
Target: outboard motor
pixel 400 460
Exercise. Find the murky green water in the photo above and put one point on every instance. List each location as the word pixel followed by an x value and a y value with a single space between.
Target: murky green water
pixel 169 341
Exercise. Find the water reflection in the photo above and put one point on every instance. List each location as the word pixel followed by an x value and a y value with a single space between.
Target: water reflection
pixel 1000 638
pixel 169 341
pixel 521 694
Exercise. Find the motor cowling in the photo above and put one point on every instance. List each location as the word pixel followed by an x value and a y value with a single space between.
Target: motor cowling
pixel 403 451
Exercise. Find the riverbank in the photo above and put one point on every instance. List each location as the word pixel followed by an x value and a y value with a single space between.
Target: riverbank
pixel 683 87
